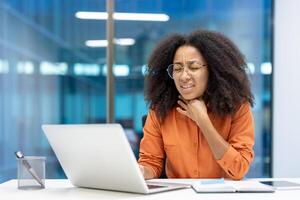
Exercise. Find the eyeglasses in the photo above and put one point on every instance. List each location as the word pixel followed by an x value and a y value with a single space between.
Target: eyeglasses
pixel 193 68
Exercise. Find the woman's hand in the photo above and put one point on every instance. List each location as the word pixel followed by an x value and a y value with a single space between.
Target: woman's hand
pixel 195 109
pixel 147 172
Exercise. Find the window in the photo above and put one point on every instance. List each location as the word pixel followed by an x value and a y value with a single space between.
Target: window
pixel 53 70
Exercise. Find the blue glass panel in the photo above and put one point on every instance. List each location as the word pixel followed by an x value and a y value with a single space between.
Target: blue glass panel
pixel 42 41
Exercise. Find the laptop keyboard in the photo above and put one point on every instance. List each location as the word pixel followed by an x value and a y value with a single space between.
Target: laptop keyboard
pixel 155 186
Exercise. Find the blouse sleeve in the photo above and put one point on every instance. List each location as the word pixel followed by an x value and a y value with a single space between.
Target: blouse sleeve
pixel 237 159
pixel 151 147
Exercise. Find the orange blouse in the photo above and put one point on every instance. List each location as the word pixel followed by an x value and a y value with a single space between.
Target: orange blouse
pixel 180 141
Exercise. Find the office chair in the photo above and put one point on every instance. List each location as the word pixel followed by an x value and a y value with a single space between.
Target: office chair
pixel 144 118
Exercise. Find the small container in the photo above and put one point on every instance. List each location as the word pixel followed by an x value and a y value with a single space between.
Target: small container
pixel 31 172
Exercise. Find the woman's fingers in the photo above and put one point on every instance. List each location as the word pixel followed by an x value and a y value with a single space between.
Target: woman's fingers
pixel 181 111
pixel 182 104
pixel 142 169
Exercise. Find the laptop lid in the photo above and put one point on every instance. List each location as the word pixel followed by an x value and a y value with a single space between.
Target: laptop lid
pixel 98 156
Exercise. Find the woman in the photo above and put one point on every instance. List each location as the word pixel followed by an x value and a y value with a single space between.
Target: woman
pixel 200 121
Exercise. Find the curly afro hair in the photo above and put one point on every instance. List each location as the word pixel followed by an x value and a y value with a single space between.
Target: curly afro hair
pixel 228 84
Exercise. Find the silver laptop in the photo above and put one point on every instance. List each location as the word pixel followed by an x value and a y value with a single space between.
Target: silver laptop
pixel 99 156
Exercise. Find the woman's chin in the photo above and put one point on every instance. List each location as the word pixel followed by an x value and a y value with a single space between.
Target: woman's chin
pixel 189 97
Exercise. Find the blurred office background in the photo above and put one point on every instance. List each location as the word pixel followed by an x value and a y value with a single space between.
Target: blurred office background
pixel 53 71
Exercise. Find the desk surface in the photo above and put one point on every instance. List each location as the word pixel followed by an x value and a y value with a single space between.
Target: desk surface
pixel 63 189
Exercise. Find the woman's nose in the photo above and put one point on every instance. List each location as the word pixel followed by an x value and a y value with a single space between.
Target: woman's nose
pixel 185 75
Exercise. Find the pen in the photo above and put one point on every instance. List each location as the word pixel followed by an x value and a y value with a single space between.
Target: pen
pixel 20 155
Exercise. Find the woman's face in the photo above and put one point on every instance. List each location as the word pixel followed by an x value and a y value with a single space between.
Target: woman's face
pixel 190 72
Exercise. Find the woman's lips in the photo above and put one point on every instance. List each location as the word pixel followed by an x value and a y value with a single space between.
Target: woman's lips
pixel 186 88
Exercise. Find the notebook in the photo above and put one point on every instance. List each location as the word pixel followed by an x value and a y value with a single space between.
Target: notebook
pixel 221 186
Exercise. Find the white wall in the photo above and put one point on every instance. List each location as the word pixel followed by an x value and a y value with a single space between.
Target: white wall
pixel 286 105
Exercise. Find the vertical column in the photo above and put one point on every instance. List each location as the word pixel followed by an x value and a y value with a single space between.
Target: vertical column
pixel 286 107
pixel 109 62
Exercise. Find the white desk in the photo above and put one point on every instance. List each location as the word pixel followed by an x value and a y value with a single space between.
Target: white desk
pixel 62 189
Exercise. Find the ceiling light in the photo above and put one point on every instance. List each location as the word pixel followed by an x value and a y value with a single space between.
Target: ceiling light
pixel 49 68
pixel 117 41
pixel 123 16
pixel 266 68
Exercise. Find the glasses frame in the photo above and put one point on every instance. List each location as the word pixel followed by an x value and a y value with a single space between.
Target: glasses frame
pixel 171 65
